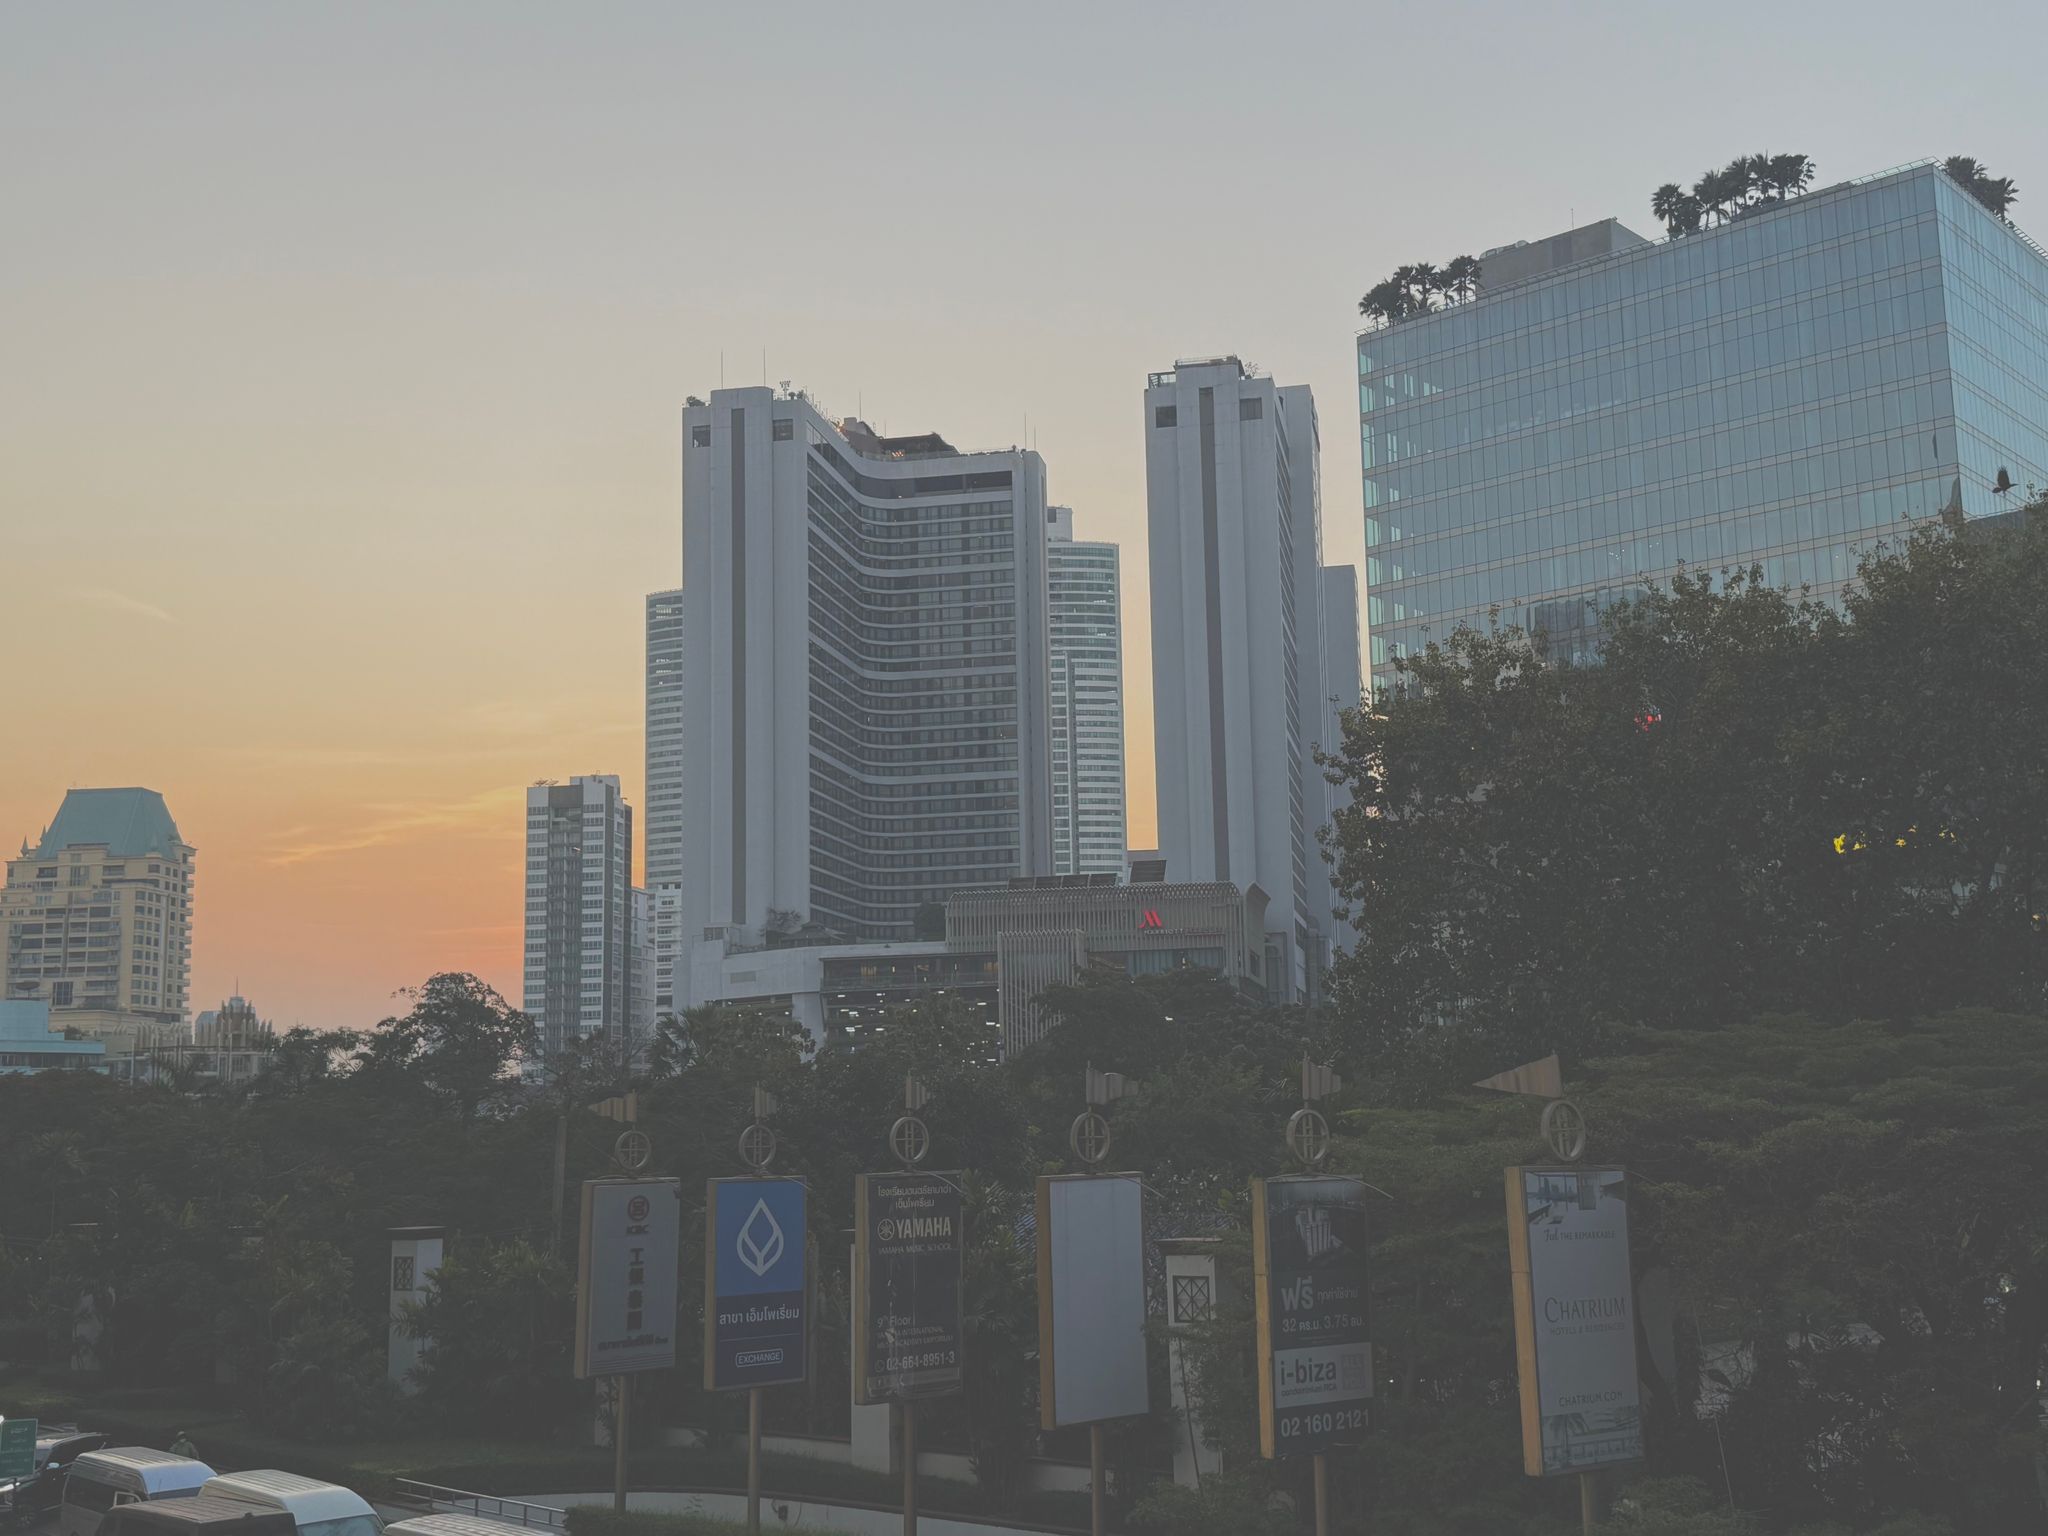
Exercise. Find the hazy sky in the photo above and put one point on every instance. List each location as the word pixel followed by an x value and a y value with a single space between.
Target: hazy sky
pixel 341 347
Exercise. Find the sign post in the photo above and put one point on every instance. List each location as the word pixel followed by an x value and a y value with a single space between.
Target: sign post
pixel 17 1449
pixel 1575 1325
pixel 626 1257
pixel 756 1285
pixel 1091 1290
pixel 908 1277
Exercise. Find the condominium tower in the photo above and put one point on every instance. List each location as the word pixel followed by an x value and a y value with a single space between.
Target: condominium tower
pixel 1784 389
pixel 579 912
pixel 96 917
pixel 864 671
pixel 1087 678
pixel 1238 694
pixel 662 812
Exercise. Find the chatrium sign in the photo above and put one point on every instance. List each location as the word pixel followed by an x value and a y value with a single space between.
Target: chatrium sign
pixel 756 1291
pixel 1575 1319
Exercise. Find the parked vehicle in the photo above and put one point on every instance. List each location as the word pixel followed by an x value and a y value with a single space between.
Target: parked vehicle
pixel 195 1517
pixel 320 1509
pixel 104 1480
pixel 448 1525
pixel 34 1496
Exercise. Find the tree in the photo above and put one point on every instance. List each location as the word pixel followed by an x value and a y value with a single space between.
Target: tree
pixel 1385 300
pixel 1537 852
pixel 1461 278
pixel 458 1042
pixel 1788 175
pixel 1996 193
pixel 1679 210
pixel 498 1322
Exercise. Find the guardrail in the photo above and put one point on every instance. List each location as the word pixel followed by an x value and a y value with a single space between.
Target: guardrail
pixel 485 1506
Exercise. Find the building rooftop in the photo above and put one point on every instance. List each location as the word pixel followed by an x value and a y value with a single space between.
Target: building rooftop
pixel 129 823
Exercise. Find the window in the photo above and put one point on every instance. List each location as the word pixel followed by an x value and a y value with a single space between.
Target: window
pixel 1165 415
pixel 1251 408
pixel 783 429
pixel 700 437
pixel 401 1272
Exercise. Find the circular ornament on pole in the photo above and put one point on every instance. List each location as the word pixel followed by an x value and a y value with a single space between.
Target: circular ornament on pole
pixel 1308 1137
pixel 1564 1127
pixel 757 1147
pixel 1089 1137
pixel 632 1151
pixel 910 1140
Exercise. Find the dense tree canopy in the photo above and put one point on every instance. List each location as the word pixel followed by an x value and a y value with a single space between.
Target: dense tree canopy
pixel 1752 802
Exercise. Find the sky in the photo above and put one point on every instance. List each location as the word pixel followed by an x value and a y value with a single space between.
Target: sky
pixel 342 346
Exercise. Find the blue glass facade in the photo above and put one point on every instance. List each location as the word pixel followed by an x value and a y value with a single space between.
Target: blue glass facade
pixel 1782 390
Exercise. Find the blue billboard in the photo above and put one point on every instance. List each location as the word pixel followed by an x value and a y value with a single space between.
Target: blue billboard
pixel 755 1288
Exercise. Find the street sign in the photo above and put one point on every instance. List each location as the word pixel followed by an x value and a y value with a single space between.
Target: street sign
pixel 1575 1324
pixel 17 1449
pixel 1315 1344
pixel 626 1261
pixel 907 1343
pixel 755 1286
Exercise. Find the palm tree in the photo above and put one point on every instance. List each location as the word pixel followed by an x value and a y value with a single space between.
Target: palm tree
pixel 1756 176
pixel 1429 282
pixel 1385 300
pixel 1678 208
pixel 1996 193
pixel 1790 174
pixel 1461 278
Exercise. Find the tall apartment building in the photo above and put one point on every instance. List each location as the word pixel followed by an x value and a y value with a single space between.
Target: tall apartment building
pixel 662 812
pixel 1233 489
pixel 1784 390
pixel 864 670
pixel 97 916
pixel 579 910
pixel 1087 682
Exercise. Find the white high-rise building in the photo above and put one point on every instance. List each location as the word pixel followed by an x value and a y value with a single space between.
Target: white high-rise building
pixel 640 1002
pixel 96 917
pixel 662 812
pixel 865 659
pixel 579 911
pixel 1233 490
pixel 1087 675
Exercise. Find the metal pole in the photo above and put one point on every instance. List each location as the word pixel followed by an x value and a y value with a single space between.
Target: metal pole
pixel 910 1469
pixel 753 1461
pixel 1322 1461
pixel 1589 1501
pixel 1095 1490
pixel 620 1429
pixel 561 1173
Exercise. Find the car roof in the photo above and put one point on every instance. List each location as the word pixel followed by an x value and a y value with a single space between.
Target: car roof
pixel 179 1515
pixel 449 1525
pixel 306 1497
pixel 156 1469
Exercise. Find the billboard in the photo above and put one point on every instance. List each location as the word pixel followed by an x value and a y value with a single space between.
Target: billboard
pixel 1091 1298
pixel 1575 1318
pixel 1315 1348
pixel 756 1298
pixel 907 1274
pixel 626 1257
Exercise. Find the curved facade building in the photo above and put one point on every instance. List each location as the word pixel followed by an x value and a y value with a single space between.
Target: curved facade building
pixel 865 689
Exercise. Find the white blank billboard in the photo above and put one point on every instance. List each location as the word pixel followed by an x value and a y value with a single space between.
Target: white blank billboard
pixel 1091 1299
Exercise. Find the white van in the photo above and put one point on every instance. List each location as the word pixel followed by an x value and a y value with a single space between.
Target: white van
pixel 128 1474
pixel 447 1525
pixel 320 1509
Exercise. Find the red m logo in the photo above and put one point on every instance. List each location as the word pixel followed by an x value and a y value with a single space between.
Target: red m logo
pixel 1150 919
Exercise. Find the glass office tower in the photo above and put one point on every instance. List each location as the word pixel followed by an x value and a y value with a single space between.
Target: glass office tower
pixel 1781 390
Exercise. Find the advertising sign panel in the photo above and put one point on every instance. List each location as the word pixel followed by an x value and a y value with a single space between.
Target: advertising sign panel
pixel 1315 1349
pixel 17 1449
pixel 1575 1318
pixel 627 1252
pixel 755 1289
pixel 1091 1298
pixel 906 1342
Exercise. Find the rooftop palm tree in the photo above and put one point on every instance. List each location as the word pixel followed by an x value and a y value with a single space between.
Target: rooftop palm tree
pixel 1428 282
pixel 1678 208
pixel 1996 193
pixel 1461 278
pixel 1385 300
pixel 1790 174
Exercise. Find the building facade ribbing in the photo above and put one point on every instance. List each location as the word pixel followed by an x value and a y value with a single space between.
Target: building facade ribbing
pixel 1783 390
pixel 865 670
pixel 1233 493
pixel 97 915
pixel 579 911
pixel 661 813
pixel 1087 684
